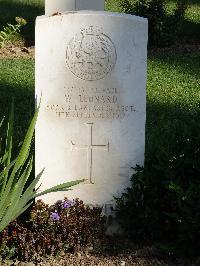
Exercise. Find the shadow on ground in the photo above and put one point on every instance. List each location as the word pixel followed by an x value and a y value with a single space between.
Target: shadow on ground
pixel 190 32
pixel 23 94
pixel 194 2
pixel 168 125
pixel 178 60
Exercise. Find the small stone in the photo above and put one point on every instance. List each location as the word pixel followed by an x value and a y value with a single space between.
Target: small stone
pixel 14 51
pixel 79 255
pixel 25 50
pixel 122 263
pixel 62 253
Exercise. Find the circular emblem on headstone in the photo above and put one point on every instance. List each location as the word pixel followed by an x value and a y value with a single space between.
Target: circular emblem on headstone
pixel 91 55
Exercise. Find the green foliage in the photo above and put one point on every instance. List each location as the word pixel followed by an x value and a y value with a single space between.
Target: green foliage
pixel 16 191
pixel 11 33
pixel 27 9
pixel 30 9
pixel 163 201
pixel 52 230
pixel 172 158
pixel 163 27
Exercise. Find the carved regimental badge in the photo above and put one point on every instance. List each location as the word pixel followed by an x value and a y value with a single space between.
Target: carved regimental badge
pixel 91 55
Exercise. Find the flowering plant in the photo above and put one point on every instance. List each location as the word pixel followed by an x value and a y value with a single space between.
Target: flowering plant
pixel 16 191
pixel 53 230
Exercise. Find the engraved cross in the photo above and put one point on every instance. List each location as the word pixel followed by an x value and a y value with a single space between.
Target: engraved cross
pixel 90 147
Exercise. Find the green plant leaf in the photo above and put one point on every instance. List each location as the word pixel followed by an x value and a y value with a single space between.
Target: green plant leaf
pixel 61 187
pixel 15 175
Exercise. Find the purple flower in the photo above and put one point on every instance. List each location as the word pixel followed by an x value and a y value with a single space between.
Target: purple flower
pixel 67 204
pixel 55 216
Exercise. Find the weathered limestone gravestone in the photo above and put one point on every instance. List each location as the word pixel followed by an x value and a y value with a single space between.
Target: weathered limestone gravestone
pixel 91 73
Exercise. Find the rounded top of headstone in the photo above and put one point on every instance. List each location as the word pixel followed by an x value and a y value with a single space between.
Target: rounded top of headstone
pixel 97 13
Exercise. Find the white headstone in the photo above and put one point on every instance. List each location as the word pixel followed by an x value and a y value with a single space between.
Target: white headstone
pixel 91 73
pixel 57 6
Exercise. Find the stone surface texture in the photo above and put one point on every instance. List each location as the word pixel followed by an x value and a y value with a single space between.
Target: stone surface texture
pixel 91 78
pixel 54 6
